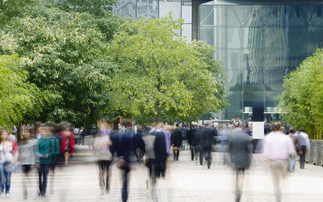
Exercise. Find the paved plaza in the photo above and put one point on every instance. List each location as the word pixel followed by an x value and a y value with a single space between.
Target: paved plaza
pixel 186 180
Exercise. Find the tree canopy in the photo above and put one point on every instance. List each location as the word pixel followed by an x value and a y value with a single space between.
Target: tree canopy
pixel 162 77
pixel 19 99
pixel 83 62
pixel 302 96
pixel 64 51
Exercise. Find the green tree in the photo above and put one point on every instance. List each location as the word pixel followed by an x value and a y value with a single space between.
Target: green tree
pixel 162 77
pixel 19 99
pixel 65 54
pixel 302 96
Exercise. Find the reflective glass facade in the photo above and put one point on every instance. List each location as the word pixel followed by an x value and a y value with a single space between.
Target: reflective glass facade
pixel 259 45
pixel 181 9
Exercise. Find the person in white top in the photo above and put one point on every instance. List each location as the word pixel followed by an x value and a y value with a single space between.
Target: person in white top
pixel 278 148
pixel 304 141
pixel 8 156
pixel 102 144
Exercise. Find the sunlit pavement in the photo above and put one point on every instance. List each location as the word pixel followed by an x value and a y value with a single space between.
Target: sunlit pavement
pixel 185 181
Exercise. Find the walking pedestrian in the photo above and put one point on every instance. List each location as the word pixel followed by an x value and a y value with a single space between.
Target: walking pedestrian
pixel 83 134
pixel 298 149
pixel 223 138
pixel 176 138
pixel 305 144
pixel 278 147
pixel 45 153
pixel 190 139
pixel 67 144
pixel 241 154
pixel 195 142
pixel 124 143
pixel 102 144
pixel 9 154
pixel 50 130
pixel 27 158
pixel 207 145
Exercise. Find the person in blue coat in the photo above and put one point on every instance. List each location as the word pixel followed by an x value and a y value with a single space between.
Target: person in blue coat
pixel 123 145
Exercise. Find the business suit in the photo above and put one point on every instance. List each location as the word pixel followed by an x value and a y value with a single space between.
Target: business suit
pixel 206 145
pixel 190 139
pixel 176 138
pixel 123 143
pixel 240 153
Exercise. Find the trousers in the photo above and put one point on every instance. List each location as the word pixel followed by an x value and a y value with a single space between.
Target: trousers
pixel 104 174
pixel 279 171
pixel 5 179
pixel 302 157
pixel 125 179
pixel 43 171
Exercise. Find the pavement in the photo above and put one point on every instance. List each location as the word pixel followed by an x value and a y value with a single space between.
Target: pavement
pixel 186 180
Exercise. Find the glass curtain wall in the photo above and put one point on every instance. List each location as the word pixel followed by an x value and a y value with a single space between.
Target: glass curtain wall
pixel 181 9
pixel 259 45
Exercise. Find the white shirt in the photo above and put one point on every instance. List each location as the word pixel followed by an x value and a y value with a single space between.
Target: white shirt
pixel 303 139
pixel 102 144
pixel 6 152
pixel 278 146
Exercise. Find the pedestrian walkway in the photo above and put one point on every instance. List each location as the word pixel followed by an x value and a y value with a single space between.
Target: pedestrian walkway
pixel 185 181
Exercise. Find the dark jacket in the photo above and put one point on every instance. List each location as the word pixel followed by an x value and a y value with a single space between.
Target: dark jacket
pixel 240 149
pixel 84 133
pixel 160 148
pixel 196 138
pixel 124 143
pixel 207 138
pixel 190 136
pixel 176 138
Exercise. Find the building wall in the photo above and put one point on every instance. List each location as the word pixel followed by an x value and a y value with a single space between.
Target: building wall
pixel 181 9
pixel 259 45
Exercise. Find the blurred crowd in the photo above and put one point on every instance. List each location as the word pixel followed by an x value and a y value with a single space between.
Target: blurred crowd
pixel 46 145
pixel 40 148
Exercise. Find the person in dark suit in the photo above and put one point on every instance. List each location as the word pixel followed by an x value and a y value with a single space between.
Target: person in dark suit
pixel 190 139
pixel 196 141
pixel 123 144
pixel 240 153
pixel 176 138
pixel 206 145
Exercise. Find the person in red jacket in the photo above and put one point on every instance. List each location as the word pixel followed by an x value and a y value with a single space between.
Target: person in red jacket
pixel 67 143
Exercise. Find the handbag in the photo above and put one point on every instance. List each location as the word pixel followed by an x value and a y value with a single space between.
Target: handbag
pixel 9 167
pixel 121 163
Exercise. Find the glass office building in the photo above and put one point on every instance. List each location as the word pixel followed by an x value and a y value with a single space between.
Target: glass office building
pixel 259 41
pixel 259 45
pixel 181 9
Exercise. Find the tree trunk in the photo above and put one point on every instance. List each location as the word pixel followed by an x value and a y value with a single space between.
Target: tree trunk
pixel 19 133
pixel 158 118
